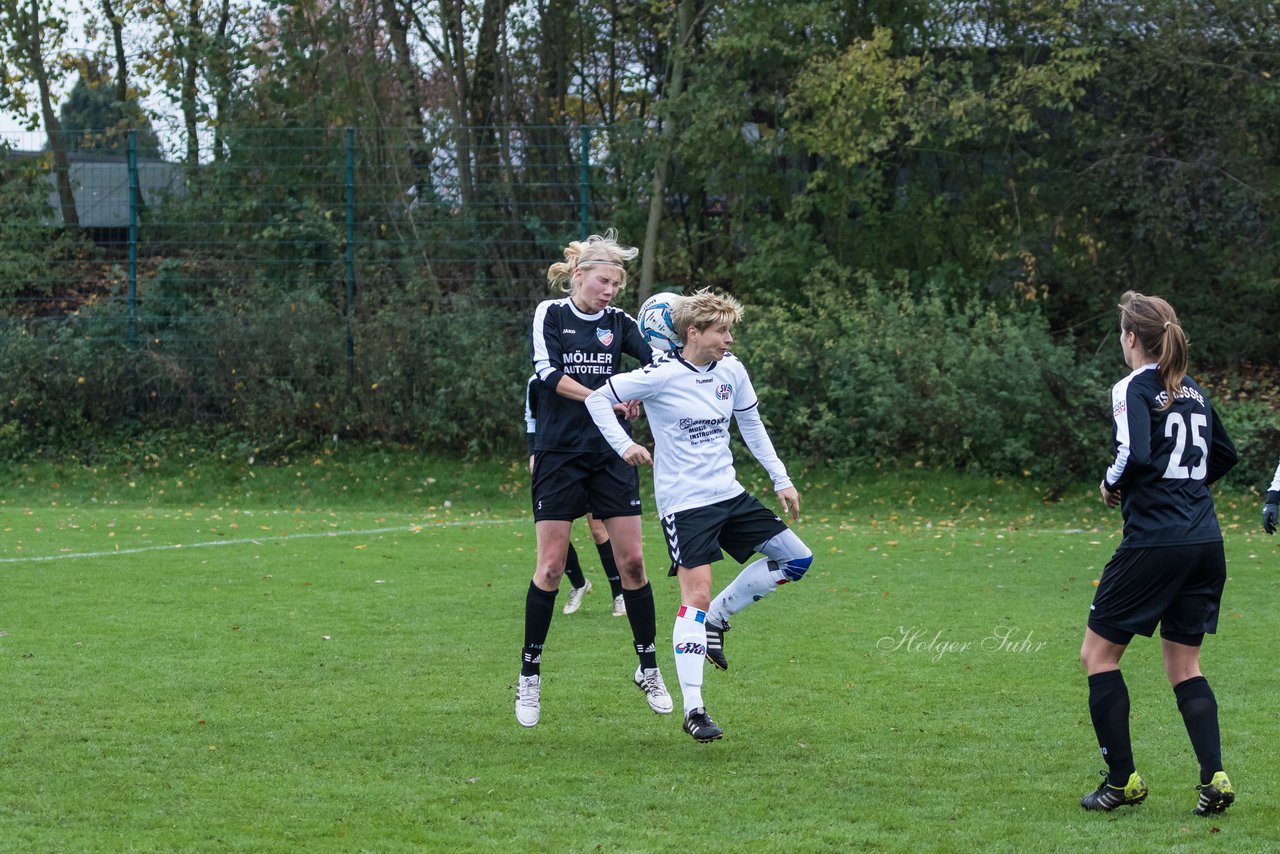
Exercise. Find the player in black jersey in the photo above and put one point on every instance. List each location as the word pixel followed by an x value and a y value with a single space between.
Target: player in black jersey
pixel 1169 568
pixel 577 343
pixel 1269 508
pixel 572 566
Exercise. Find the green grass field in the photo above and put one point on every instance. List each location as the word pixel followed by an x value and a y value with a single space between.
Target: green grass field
pixel 321 656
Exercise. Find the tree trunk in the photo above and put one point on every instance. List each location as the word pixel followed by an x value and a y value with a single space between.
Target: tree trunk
pixel 453 55
pixel 57 140
pixel 117 41
pixel 220 79
pixel 190 76
pixel 658 187
pixel 406 73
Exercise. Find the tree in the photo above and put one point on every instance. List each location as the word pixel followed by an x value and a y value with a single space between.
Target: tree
pixel 198 57
pixel 93 119
pixel 31 38
pixel 682 42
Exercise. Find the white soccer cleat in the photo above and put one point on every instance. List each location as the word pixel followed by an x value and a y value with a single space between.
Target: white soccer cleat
pixel 650 682
pixel 529 700
pixel 619 606
pixel 575 597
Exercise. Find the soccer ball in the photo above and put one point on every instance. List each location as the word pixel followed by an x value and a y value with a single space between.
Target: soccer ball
pixel 655 322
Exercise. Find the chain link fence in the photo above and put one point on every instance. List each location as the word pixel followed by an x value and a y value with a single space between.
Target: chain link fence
pixel 316 280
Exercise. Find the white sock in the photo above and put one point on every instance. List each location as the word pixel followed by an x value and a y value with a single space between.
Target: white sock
pixel 689 636
pixel 756 581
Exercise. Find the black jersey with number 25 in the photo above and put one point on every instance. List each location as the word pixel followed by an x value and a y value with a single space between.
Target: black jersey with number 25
pixel 588 348
pixel 1165 461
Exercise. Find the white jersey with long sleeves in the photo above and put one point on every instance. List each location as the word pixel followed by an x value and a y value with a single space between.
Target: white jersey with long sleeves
pixel 1275 482
pixel 689 409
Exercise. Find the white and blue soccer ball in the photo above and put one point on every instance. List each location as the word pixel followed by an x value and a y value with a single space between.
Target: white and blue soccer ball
pixel 655 322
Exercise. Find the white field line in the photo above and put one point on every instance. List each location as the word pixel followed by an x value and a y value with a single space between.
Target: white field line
pixel 406 529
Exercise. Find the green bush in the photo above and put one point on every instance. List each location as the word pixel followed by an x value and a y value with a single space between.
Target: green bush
pixel 857 373
pixel 64 381
pixel 869 374
pixel 450 380
pixel 1253 429
pixel 440 377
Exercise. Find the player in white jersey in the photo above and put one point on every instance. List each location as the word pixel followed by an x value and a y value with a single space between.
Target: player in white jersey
pixel 1269 508
pixel 690 397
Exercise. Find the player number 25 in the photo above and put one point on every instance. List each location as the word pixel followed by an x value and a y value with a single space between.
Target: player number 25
pixel 1176 428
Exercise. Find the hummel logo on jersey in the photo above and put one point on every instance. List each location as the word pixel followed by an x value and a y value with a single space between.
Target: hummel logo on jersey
pixel 569 331
pixel 704 380
pixel 605 336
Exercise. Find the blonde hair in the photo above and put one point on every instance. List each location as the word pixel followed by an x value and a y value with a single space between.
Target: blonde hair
pixel 596 250
pixel 703 309
pixel 1156 325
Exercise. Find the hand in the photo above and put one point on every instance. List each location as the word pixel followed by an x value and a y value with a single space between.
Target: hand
pixel 790 500
pixel 1109 497
pixel 628 409
pixel 531 459
pixel 636 455
pixel 1269 518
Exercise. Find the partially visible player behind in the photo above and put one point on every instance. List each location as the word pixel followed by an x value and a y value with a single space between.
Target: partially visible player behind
pixel 1269 507
pixel 581 585
pixel 577 342
pixel 1170 567
pixel 690 397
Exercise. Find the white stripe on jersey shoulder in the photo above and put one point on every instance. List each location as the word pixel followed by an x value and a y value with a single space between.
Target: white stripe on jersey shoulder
pixel 537 336
pixel 1121 388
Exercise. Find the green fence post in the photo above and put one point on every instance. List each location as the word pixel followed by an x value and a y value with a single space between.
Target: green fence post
pixel 133 240
pixel 351 251
pixel 584 182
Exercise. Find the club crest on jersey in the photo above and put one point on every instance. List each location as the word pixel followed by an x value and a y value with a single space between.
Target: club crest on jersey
pixel 724 392
pixel 605 336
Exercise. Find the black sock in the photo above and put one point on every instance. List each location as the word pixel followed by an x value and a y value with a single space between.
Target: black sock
pixel 539 605
pixel 573 568
pixel 1109 709
pixel 644 623
pixel 1200 713
pixel 605 550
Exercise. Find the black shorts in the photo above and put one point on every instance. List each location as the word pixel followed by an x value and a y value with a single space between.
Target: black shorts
pixel 1179 587
pixel 738 525
pixel 569 484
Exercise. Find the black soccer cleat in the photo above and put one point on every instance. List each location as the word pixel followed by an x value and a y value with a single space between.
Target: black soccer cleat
pixel 1215 796
pixel 1107 797
pixel 715 644
pixel 699 725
